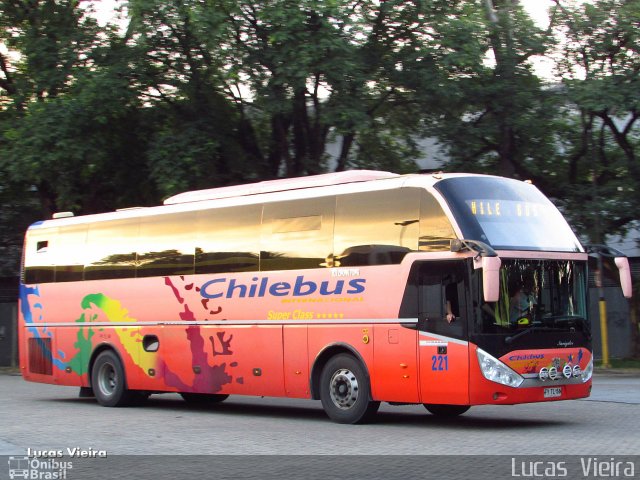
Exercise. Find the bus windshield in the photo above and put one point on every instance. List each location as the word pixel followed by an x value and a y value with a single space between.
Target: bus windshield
pixel 537 294
pixel 507 214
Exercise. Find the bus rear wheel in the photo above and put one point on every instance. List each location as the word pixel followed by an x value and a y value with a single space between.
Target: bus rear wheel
pixel 345 391
pixel 109 383
pixel 446 410
pixel 203 398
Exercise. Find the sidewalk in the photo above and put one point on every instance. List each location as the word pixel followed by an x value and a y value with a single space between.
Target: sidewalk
pixel 9 370
pixel 617 371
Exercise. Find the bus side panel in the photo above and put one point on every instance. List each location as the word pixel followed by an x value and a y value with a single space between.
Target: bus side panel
pixel 73 372
pixel 296 361
pixel 47 354
pixel 42 353
pixel 136 346
pixel 358 338
pixel 395 371
pixel 127 339
pixel 197 359
pixel 252 354
pixel 241 359
pixel 35 355
pixel 444 370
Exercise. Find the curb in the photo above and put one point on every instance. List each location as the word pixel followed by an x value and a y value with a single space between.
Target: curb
pixel 617 371
pixel 15 371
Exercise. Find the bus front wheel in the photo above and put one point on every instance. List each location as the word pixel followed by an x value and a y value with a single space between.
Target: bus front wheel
pixel 109 383
pixel 446 410
pixel 345 391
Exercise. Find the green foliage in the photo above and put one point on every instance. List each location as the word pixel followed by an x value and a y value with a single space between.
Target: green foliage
pixel 19 206
pixel 499 115
pixel 79 148
pixel 199 93
pixel 601 70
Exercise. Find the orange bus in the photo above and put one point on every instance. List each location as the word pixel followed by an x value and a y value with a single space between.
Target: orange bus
pixel 448 290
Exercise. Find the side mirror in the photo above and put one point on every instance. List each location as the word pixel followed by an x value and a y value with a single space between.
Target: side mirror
pixel 625 275
pixel 491 278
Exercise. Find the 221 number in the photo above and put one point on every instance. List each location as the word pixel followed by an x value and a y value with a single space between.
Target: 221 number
pixel 439 363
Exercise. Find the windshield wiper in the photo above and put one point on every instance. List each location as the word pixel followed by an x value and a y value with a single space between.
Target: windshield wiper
pixel 532 328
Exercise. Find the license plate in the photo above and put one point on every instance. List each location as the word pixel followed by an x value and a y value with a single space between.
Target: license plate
pixel 552 392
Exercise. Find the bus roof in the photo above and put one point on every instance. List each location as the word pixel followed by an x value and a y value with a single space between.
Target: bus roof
pixel 280 185
pixel 271 190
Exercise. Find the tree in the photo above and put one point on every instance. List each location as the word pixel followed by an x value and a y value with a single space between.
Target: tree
pixel 601 71
pixel 69 116
pixel 70 125
pixel 302 74
pixel 500 112
pixel 194 140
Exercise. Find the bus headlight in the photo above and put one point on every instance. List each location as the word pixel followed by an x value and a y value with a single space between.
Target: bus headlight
pixel 496 371
pixel 588 371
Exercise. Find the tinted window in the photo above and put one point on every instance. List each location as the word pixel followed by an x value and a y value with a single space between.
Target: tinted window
pixel 68 253
pixel 297 234
pixel 376 228
pixel 111 249
pixel 434 289
pixel 167 245
pixel 436 232
pixel 441 287
pixel 39 260
pixel 228 239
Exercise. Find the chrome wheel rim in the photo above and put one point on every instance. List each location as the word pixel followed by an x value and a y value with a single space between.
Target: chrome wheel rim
pixel 344 389
pixel 107 379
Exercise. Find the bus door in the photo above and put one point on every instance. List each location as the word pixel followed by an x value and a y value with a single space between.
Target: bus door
pixel 443 288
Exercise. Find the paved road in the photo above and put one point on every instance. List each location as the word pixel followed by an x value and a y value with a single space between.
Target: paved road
pixel 616 388
pixel 45 417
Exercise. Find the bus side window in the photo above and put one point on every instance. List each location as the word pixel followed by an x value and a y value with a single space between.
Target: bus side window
pixel 409 308
pixel 442 290
pixel 433 302
pixel 166 245
pixel 297 234
pixel 39 265
pixel 112 249
pixel 376 228
pixel 69 253
pixel 228 239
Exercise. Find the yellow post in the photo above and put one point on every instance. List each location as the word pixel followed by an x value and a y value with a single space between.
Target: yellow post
pixel 604 334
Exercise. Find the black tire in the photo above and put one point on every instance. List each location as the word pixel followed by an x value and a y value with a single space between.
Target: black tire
pixel 203 398
pixel 446 410
pixel 109 382
pixel 345 391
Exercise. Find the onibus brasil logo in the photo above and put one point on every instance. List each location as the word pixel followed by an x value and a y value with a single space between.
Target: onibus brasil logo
pixel 38 468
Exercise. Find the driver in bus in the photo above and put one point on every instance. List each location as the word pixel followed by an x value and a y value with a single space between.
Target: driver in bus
pixel 522 302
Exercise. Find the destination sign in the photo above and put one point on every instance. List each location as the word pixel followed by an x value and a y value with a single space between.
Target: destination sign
pixel 505 208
